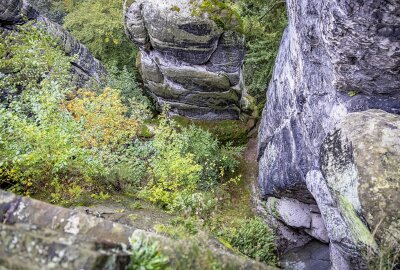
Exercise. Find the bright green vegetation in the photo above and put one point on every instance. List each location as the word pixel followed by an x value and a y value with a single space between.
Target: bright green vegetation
pixel 224 130
pixel 55 142
pixel 253 238
pixel 263 24
pixel 75 146
pixel 99 25
pixel 146 256
pixel 58 142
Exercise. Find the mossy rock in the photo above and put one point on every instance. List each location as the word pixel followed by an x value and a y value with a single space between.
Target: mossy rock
pixel 225 131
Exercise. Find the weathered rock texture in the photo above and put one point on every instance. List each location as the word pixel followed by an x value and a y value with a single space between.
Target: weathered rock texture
pixel 17 12
pixel 37 235
pixel 336 57
pixel 187 61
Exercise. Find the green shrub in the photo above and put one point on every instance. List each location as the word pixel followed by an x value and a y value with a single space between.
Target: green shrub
pixel 264 22
pixel 29 57
pixel 199 204
pixel 253 238
pixel 99 25
pixel 186 162
pixel 225 131
pixel 146 256
pixel 40 145
pixel 221 12
pixel 126 81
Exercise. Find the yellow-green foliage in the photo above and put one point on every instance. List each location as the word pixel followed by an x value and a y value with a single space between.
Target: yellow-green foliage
pixel 220 12
pixel 104 118
pixel 171 170
pixel 52 148
pixel 99 25
pixel 40 144
pixel 175 8
pixel 185 164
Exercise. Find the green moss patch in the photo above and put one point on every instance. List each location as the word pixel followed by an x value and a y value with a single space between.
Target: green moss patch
pixel 225 131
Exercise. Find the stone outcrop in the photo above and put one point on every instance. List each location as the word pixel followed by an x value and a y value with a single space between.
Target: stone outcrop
pixel 187 61
pixel 17 12
pixel 37 235
pixel 358 187
pixel 336 58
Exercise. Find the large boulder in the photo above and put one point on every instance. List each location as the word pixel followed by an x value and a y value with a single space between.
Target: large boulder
pixel 336 58
pixel 85 66
pixel 37 235
pixel 188 61
pixel 358 187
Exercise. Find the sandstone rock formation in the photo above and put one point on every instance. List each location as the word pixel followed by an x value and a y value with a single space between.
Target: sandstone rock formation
pixel 17 12
pixel 358 187
pixel 189 62
pixel 336 57
pixel 37 235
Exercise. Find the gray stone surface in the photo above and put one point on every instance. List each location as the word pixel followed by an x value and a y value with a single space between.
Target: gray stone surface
pixel 328 49
pixel 360 160
pixel 349 236
pixel 292 212
pixel 295 222
pixel 17 12
pixel 37 235
pixel 357 189
pixel 187 61
pixel 313 256
pixel 336 58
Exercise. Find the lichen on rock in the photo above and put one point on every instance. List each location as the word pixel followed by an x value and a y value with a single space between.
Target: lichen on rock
pixel 188 61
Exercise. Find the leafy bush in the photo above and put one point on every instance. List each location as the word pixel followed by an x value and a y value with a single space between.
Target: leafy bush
pixel 184 163
pixel 58 148
pixel 200 204
pixel 127 82
pixel 264 22
pixel 253 238
pixel 104 119
pixel 146 256
pixel 220 12
pixel 172 171
pixel 99 25
pixel 27 58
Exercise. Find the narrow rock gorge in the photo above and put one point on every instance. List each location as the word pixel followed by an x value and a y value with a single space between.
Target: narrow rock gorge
pixel 329 137
pixel 328 143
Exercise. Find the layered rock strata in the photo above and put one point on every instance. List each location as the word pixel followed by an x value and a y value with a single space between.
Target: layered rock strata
pixel 336 58
pixel 187 61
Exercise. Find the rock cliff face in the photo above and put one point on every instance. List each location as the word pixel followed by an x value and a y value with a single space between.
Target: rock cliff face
pixel 336 58
pixel 187 61
pixel 17 12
